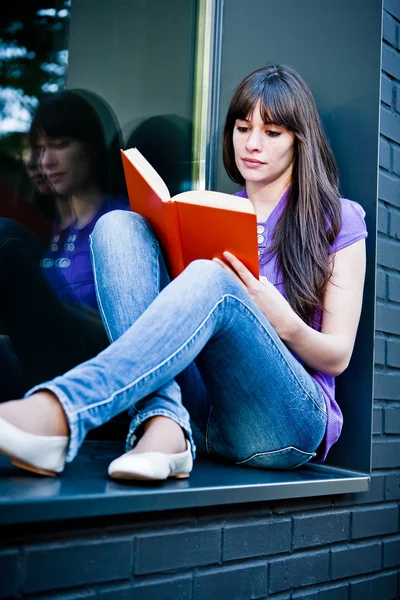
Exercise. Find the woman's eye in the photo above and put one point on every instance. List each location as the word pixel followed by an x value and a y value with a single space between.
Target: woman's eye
pixel 61 143
pixel 273 133
pixel 242 128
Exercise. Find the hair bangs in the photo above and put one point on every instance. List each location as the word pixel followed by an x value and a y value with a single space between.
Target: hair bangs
pixel 277 106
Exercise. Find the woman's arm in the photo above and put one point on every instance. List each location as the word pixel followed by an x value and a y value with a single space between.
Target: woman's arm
pixel 328 351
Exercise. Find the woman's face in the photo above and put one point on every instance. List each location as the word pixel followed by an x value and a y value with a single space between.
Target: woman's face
pixel 263 153
pixel 66 164
pixel 31 158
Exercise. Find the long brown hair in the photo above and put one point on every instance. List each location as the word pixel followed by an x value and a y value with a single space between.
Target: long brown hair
pixel 312 217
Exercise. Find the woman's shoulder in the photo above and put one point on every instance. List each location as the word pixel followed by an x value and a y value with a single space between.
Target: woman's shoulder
pixel 353 227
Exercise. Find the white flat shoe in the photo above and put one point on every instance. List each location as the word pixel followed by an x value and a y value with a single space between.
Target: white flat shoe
pixel 44 455
pixel 155 466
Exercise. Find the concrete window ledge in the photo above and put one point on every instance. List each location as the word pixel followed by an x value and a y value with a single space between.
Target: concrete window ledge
pixel 84 489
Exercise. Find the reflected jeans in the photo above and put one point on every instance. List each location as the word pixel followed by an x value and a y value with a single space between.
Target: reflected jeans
pixel 197 350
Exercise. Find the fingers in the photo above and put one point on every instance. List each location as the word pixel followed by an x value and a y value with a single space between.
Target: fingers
pixel 239 268
pixel 222 264
pixel 229 270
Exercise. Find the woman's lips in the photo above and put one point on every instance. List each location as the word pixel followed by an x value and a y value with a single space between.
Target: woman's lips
pixel 54 177
pixel 252 163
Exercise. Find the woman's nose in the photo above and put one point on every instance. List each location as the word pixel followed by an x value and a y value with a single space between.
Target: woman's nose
pixel 47 158
pixel 254 141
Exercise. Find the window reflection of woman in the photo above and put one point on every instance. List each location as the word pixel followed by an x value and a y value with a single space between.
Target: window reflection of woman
pixel 72 155
pixel 74 160
pixel 49 306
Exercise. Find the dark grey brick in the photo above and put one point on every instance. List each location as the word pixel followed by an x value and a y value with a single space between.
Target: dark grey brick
pixel 394 290
pixel 389 189
pixel 333 592
pixel 376 521
pixel 390 62
pixel 388 254
pixel 374 494
pixel 385 454
pixel 347 561
pixel 299 570
pixel 387 321
pixel 384 154
pixel 389 29
pixel 236 583
pixel 392 420
pixel 8 573
pixel 77 563
pixel 393 7
pixel 382 587
pixel 381 290
pixel 391 553
pixel 315 530
pixel 396 156
pixel 175 588
pixel 377 423
pixel 394 228
pixel 386 90
pixel 383 219
pixel 387 386
pixel 298 504
pixel 380 352
pixel 256 539
pixel 392 486
pixel 216 515
pixel 390 125
pixel 178 549
pixel 393 353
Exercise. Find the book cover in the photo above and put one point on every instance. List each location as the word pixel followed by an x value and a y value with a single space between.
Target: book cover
pixel 191 225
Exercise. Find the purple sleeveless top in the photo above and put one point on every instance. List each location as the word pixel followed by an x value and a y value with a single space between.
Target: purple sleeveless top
pixel 352 229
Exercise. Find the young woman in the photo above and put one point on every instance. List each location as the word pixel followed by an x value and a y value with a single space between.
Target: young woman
pixel 242 368
pixel 48 303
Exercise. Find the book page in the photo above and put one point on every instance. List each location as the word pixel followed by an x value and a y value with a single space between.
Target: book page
pixel 149 173
pixel 216 199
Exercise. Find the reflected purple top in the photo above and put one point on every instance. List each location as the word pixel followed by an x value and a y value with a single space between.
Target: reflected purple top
pixel 66 264
pixel 352 229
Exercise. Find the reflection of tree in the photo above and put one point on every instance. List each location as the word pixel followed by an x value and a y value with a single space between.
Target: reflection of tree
pixel 33 59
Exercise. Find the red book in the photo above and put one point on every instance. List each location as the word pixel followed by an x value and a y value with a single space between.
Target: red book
pixel 191 225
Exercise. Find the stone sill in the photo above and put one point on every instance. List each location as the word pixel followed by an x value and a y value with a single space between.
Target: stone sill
pixel 84 489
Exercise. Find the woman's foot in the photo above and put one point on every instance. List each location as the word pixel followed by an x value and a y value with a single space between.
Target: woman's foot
pixel 163 451
pixel 34 433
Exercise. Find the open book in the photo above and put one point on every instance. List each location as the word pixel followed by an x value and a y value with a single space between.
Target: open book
pixel 191 225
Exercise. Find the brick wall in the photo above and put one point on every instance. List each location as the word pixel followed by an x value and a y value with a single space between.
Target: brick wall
pixel 335 548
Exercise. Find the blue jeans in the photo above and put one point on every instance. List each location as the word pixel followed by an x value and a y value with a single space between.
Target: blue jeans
pixel 197 350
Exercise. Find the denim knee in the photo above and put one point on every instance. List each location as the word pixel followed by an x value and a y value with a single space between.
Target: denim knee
pixel 128 228
pixel 210 273
pixel 118 221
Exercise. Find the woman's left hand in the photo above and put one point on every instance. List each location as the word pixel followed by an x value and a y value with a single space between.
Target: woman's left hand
pixel 268 299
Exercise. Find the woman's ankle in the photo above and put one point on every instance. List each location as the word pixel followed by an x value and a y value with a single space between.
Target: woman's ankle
pixel 162 434
pixel 40 414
